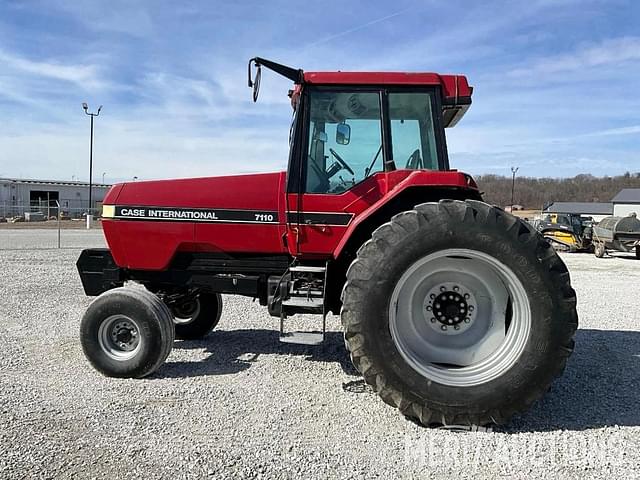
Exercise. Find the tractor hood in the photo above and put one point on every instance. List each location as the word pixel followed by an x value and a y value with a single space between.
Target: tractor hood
pixel 226 198
pixel 146 223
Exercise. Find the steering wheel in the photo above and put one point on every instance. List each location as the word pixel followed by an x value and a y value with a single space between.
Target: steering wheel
pixel 414 160
pixel 341 161
pixel 322 176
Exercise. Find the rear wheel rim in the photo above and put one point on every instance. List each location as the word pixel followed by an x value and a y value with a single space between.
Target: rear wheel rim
pixel 460 317
pixel 119 337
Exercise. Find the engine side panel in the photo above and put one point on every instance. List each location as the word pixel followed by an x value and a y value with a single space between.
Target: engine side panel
pixel 154 220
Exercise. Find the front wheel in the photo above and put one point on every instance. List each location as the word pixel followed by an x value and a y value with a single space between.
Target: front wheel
pixel 458 313
pixel 127 332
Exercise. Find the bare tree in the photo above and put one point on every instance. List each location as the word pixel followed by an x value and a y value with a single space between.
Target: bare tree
pixel 535 193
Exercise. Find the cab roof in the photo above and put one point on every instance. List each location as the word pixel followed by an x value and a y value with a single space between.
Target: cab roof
pixel 452 85
pixel 456 92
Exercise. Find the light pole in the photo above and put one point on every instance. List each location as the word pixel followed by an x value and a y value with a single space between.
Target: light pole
pixel 86 110
pixel 514 170
pixel 103 174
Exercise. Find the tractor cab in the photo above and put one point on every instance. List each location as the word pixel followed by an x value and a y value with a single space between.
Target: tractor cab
pixel 349 126
pixel 358 136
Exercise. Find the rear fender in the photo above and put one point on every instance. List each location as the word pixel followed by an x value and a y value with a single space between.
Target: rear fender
pixel 364 225
pixel 396 201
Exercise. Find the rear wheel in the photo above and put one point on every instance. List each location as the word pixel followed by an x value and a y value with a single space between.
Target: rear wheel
pixel 196 317
pixel 127 332
pixel 458 313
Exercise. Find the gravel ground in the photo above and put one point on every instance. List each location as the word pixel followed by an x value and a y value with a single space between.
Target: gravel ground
pixel 241 405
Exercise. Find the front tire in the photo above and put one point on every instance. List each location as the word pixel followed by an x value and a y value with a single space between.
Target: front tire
pixel 127 332
pixel 196 318
pixel 458 313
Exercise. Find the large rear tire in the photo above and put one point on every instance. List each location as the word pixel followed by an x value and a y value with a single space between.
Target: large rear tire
pixel 195 319
pixel 458 313
pixel 127 332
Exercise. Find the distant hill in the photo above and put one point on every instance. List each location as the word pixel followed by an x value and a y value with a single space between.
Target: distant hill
pixel 533 193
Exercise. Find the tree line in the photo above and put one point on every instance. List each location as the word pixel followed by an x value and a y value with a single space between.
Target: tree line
pixel 535 193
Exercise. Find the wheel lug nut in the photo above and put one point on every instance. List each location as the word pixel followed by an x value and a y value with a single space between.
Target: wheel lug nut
pixel 456 327
pixel 466 295
pixel 456 289
pixel 433 320
pixel 443 327
pixel 432 296
pixel 467 320
pixel 471 308
pixel 428 308
pixel 442 289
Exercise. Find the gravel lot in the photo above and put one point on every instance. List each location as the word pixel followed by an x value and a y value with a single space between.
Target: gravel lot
pixel 241 405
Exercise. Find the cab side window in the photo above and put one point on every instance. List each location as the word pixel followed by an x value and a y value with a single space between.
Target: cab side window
pixel 412 131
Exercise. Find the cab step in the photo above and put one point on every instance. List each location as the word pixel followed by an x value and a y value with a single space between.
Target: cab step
pixel 305 298
pixel 302 338
pixel 307 268
pixel 304 302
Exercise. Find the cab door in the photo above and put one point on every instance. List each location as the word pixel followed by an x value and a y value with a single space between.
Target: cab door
pixel 342 169
pixel 343 154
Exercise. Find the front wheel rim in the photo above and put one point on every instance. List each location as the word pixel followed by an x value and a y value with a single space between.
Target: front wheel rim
pixel 119 337
pixel 460 317
pixel 187 312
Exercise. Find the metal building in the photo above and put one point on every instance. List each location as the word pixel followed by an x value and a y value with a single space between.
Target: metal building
pixel 596 210
pixel 21 195
pixel 626 201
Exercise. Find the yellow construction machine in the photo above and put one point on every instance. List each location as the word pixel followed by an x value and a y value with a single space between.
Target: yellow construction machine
pixel 567 232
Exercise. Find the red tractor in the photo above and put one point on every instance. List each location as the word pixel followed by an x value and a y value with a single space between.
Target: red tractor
pixel 453 310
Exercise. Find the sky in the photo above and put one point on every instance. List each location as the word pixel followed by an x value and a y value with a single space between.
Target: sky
pixel 555 81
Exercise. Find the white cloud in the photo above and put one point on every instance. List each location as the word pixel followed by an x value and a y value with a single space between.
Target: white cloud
pixel 608 53
pixel 630 130
pixel 117 16
pixel 87 75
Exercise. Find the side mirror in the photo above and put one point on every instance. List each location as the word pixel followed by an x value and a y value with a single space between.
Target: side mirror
pixel 343 134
